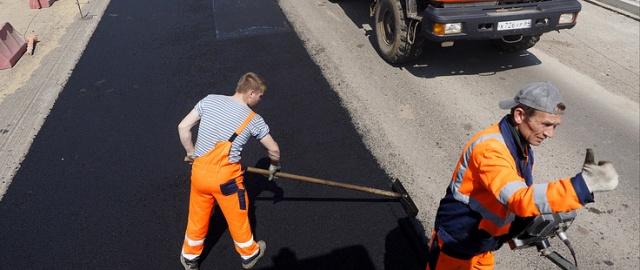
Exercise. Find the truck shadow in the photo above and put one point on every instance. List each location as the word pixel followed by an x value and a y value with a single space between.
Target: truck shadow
pixel 464 58
pixel 467 58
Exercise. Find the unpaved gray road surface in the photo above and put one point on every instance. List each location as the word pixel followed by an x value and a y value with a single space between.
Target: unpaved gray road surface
pixel 416 118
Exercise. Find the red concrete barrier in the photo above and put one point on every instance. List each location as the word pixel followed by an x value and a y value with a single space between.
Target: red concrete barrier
pixel 38 4
pixel 12 46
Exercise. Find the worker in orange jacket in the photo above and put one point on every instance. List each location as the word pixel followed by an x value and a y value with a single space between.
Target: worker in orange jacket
pixel 492 183
pixel 226 124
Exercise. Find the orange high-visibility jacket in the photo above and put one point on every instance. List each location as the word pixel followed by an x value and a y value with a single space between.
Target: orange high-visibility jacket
pixel 491 185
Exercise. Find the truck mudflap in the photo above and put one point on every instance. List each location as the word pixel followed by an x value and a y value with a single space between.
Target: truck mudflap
pixel 480 22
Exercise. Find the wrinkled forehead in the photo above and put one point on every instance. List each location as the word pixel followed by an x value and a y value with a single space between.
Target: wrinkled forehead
pixel 546 118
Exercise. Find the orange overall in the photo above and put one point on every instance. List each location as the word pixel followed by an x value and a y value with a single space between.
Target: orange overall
pixel 491 186
pixel 482 261
pixel 215 179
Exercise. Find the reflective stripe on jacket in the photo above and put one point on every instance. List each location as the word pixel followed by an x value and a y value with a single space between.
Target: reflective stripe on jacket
pixel 491 185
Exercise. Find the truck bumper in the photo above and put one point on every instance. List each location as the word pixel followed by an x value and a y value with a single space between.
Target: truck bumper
pixel 480 22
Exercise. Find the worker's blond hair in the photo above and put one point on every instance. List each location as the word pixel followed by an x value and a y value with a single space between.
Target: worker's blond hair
pixel 251 81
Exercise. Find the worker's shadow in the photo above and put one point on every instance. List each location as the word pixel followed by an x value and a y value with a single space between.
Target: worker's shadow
pixel 344 258
pixel 405 249
pixel 254 184
pixel 405 246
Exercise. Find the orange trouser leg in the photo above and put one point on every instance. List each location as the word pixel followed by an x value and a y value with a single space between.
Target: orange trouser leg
pixel 439 260
pixel 235 209
pixel 200 207
pixel 483 261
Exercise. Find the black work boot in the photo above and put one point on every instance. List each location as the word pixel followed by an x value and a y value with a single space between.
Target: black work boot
pixel 249 263
pixel 189 264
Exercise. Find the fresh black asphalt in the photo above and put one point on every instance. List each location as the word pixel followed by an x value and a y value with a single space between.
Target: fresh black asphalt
pixel 104 186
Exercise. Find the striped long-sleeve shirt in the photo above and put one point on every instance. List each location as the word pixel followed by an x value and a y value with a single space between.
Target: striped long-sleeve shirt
pixel 220 116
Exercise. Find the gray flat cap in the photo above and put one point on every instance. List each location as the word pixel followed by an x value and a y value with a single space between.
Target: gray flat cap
pixel 542 96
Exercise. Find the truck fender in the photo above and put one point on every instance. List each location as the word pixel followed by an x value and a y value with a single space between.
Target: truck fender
pixel 410 8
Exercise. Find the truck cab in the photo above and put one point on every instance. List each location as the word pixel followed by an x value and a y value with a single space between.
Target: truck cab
pixel 402 26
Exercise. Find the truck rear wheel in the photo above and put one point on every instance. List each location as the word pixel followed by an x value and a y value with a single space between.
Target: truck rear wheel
pixel 392 30
pixel 516 43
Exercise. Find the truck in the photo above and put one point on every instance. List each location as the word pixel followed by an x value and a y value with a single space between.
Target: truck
pixel 402 26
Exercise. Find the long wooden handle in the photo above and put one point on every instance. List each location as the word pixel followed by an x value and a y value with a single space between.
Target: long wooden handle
pixel 327 182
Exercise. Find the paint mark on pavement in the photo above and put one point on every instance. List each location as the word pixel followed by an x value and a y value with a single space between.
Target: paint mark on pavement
pixel 230 24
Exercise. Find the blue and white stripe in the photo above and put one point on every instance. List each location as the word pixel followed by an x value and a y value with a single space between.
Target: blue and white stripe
pixel 220 116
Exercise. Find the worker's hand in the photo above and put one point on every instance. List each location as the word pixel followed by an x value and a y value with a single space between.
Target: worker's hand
pixel 599 177
pixel 189 158
pixel 273 169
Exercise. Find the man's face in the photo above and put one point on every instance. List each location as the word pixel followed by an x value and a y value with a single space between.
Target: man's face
pixel 253 97
pixel 537 127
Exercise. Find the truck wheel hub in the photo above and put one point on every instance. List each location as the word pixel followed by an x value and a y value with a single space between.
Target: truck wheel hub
pixel 388 26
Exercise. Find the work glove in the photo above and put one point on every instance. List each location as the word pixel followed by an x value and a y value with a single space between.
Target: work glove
pixel 599 177
pixel 273 169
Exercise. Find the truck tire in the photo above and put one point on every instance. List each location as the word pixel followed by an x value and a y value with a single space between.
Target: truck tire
pixel 516 43
pixel 391 28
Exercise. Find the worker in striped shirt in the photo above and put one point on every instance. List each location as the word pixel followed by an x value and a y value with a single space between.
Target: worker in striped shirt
pixel 226 124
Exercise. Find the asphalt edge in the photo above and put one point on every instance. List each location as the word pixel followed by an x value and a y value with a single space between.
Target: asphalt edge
pixel 27 109
pixel 411 227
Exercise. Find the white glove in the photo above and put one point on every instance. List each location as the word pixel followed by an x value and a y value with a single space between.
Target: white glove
pixel 273 169
pixel 600 177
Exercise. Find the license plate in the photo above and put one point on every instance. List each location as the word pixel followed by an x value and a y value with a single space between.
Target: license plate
pixel 510 25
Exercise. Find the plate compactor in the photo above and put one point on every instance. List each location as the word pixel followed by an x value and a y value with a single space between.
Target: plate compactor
pixel 399 192
pixel 537 232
